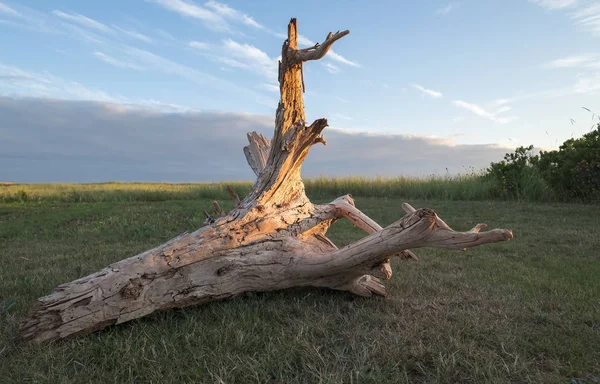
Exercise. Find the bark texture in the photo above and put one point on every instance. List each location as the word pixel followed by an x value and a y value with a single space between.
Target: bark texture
pixel 274 238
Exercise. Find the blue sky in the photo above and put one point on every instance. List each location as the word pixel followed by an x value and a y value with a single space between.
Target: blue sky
pixel 465 72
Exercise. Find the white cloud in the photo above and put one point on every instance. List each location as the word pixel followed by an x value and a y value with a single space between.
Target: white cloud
pixel 252 57
pixel 165 35
pixel 270 87
pixel 446 9
pixel 8 10
pixel 588 17
pixel 134 34
pixel 211 19
pixel 22 83
pixel 216 15
pixel 481 112
pixel 19 83
pixel 339 116
pixel 331 68
pixel 117 63
pixel 585 14
pixel 554 4
pixel 231 62
pixel 333 55
pixel 28 19
pixel 587 84
pixel 503 109
pixel 229 13
pixel 428 92
pixel 302 40
pixel 151 61
pixel 586 61
pixel 161 64
pixel 83 21
pixel 155 105
pixel 199 45
pixel 118 54
pixel 75 32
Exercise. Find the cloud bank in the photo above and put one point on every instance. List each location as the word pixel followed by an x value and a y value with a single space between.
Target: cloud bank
pixel 46 140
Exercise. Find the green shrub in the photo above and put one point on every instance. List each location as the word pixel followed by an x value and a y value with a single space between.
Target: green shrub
pixel 571 172
pixel 574 170
pixel 515 172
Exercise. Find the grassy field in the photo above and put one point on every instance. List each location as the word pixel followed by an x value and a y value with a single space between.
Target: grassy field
pixel 523 311
pixel 458 187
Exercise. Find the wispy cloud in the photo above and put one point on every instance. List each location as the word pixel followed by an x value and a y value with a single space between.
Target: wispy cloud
pixel 83 21
pixel 19 83
pixel 231 62
pixel 302 40
pixel 155 62
pixel 581 61
pixel 256 59
pixel 75 32
pixel 331 68
pixel 151 61
pixel 8 10
pixel 554 4
pixel 333 55
pixel 269 87
pixel 109 48
pixel 428 92
pixel 339 117
pixel 481 112
pixel 89 33
pixel 117 63
pixel 503 109
pixel 22 17
pixel 23 83
pixel 165 35
pixel 446 9
pixel 211 19
pixel 218 16
pixel 133 34
pixel 199 45
pixel 585 14
pixel 231 14
pixel 587 84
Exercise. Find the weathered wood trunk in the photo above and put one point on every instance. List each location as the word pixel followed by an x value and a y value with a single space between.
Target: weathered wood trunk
pixel 273 239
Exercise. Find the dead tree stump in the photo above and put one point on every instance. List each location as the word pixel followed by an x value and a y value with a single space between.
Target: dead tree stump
pixel 273 239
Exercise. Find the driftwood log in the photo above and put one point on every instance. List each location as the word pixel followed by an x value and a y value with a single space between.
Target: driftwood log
pixel 273 239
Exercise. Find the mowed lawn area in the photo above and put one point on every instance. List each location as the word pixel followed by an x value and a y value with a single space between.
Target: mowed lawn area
pixel 523 311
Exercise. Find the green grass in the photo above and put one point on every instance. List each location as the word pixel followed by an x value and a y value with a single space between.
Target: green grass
pixel 459 187
pixel 523 311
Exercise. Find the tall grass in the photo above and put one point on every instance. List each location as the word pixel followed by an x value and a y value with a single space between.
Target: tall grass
pixel 433 187
pixel 461 187
pixel 118 191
